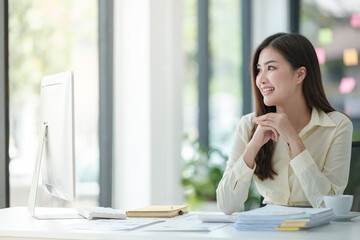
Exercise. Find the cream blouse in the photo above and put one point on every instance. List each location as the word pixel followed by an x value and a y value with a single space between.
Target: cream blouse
pixel 321 169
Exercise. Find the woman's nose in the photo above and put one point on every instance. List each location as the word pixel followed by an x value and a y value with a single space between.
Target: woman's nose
pixel 262 77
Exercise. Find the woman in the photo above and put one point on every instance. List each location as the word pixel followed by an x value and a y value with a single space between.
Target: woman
pixel 295 146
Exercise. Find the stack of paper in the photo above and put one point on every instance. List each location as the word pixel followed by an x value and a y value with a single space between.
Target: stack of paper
pixel 273 217
pixel 217 217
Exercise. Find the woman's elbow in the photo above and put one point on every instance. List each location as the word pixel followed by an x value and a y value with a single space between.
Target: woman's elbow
pixel 223 203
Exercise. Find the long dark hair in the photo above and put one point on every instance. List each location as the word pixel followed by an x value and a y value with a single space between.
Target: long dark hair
pixel 299 52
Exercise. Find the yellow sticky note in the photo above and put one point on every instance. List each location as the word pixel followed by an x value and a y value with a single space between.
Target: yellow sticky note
pixel 350 57
pixel 325 36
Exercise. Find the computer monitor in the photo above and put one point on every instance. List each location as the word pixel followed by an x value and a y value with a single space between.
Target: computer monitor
pixel 55 161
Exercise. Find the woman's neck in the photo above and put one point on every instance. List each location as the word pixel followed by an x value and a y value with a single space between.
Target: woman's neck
pixel 298 115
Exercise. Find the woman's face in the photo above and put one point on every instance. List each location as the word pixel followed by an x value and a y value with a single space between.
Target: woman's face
pixel 276 79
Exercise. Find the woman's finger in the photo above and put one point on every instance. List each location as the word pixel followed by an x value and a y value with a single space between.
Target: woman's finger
pixel 268 116
pixel 274 133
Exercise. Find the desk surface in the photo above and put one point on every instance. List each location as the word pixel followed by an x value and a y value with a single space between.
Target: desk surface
pixel 15 223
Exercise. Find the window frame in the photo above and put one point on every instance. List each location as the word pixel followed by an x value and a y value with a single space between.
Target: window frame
pixel 204 75
pixel 4 106
pixel 106 74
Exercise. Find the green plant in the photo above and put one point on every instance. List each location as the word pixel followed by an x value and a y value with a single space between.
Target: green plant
pixel 202 172
pixel 356 135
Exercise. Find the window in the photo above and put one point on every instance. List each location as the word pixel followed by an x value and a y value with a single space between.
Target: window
pixel 190 94
pixel 225 96
pixel 333 28
pixel 47 37
pixel 212 95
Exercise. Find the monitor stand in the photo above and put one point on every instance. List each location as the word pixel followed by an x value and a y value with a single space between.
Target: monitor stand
pixel 45 212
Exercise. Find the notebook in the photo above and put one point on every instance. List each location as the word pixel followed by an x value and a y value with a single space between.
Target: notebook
pixel 159 211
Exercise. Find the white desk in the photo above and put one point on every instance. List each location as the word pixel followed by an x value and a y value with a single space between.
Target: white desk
pixel 15 223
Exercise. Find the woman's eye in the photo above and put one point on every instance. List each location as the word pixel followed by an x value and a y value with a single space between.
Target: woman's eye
pixel 258 70
pixel 271 68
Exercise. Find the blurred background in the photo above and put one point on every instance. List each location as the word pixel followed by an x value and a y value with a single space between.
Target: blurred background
pixel 182 65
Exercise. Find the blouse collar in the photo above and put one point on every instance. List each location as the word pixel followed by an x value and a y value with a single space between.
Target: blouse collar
pixel 318 118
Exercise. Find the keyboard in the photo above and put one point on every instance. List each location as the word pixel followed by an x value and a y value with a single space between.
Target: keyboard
pixel 100 212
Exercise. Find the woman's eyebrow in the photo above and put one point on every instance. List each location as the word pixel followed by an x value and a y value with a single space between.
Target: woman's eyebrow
pixel 266 63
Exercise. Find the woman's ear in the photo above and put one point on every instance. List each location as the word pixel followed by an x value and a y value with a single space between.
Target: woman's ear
pixel 300 74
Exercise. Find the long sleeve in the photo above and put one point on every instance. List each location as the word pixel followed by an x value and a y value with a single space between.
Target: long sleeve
pixel 333 176
pixel 233 188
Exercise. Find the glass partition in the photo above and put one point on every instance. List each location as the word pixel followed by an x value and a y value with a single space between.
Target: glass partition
pixel 333 27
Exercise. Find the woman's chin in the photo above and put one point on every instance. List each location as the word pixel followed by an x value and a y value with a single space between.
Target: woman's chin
pixel 269 103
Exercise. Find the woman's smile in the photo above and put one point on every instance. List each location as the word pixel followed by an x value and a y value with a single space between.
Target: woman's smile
pixel 267 90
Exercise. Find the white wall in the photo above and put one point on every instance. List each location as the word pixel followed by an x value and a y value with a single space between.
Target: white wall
pixel 147 108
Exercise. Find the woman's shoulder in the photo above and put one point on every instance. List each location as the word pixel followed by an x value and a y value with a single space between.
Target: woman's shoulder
pixel 246 121
pixel 247 118
pixel 339 118
pixel 245 126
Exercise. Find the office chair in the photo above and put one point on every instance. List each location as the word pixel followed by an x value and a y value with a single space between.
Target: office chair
pixel 353 187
